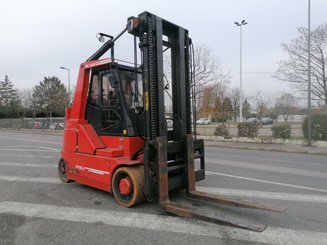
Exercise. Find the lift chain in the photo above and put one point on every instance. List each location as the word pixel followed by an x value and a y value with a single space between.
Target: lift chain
pixel 152 84
pixel 188 84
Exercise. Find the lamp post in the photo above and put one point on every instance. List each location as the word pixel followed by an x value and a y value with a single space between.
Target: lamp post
pixel 309 77
pixel 243 23
pixel 64 68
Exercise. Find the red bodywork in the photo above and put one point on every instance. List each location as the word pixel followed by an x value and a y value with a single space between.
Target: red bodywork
pixel 92 159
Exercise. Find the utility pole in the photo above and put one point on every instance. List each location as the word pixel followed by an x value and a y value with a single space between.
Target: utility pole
pixel 243 22
pixel 309 77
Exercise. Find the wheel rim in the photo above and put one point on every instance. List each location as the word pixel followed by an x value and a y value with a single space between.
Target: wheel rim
pixel 127 185
pixel 124 196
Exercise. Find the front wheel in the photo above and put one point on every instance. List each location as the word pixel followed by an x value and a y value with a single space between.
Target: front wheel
pixel 128 185
pixel 62 171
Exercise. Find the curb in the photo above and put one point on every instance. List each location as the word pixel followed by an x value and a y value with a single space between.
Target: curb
pixel 266 149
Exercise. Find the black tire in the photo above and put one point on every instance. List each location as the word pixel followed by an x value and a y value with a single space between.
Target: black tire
pixel 62 171
pixel 136 176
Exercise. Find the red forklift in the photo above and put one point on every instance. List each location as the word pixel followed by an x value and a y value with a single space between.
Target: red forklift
pixel 116 137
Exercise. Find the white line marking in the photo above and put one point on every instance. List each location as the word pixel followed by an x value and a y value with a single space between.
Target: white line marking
pixel 268 182
pixel 268 168
pixel 15 164
pixel 49 148
pixel 271 235
pixel 245 158
pixel 34 156
pixel 31 179
pixel 222 191
pixel 28 150
pixel 265 194
pixel 19 146
pixel 30 140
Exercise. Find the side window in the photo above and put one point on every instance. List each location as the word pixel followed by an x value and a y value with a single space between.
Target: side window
pixel 128 90
pixel 94 93
pixel 109 94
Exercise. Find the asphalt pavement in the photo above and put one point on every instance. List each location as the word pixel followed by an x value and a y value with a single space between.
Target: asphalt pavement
pixel 36 208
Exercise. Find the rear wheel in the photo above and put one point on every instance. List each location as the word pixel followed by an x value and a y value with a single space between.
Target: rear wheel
pixel 62 171
pixel 128 185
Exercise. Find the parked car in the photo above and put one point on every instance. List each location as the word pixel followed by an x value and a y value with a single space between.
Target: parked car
pixel 53 126
pixel 203 121
pixel 252 120
pixel 35 125
pixel 57 126
pixel 267 120
pixel 61 125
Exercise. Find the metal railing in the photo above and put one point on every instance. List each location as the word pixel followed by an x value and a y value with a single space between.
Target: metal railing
pixel 53 123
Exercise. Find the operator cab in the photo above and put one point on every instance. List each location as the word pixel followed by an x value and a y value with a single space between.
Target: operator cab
pixel 115 101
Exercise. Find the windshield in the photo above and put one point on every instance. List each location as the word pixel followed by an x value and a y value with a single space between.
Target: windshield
pixel 133 92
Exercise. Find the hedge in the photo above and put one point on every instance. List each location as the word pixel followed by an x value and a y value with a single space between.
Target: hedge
pixel 247 129
pixel 282 131
pixel 221 130
pixel 318 127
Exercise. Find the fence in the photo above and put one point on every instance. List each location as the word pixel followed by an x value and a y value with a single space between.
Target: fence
pixel 54 123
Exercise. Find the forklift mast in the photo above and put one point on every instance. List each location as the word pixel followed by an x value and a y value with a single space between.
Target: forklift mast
pixel 161 146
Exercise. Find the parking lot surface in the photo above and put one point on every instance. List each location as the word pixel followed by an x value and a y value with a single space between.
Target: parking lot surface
pixel 36 208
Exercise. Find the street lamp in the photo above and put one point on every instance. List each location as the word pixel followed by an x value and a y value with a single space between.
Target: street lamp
pixel 64 68
pixel 309 78
pixel 243 23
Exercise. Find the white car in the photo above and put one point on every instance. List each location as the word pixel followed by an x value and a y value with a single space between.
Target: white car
pixel 61 125
pixel 203 121
pixel 52 126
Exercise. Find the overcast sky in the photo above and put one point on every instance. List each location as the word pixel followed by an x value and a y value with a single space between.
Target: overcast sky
pixel 37 37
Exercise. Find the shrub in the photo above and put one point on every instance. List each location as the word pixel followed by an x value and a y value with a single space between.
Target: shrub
pixel 222 130
pixel 246 129
pixel 318 127
pixel 282 131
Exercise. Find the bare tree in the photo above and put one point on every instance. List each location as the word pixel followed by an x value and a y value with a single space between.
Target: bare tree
pixel 246 107
pixel 295 68
pixel 207 102
pixel 207 75
pixel 221 101
pixel 28 103
pixel 284 104
pixel 215 101
pixel 235 99
pixel 207 72
pixel 227 109
pixel 261 101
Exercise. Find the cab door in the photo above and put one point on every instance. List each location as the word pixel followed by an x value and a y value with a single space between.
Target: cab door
pixel 111 109
pixel 105 104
